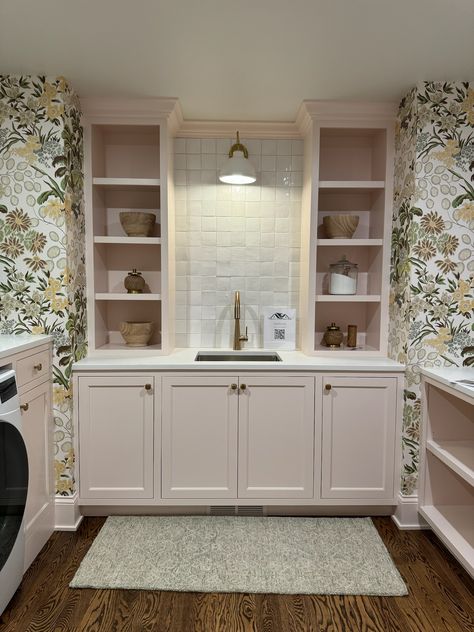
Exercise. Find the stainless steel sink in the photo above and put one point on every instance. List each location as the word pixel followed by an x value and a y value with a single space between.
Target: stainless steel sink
pixel 236 357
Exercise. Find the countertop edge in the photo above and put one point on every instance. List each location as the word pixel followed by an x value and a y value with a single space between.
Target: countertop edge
pixel 17 344
pixel 446 375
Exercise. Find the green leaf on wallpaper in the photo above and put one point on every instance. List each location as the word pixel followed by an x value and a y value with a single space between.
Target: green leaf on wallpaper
pixel 41 199
pixel 459 199
pixel 3 208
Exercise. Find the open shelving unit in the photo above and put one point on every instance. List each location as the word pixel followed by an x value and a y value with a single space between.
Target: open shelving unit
pixel 127 162
pixel 447 467
pixel 348 170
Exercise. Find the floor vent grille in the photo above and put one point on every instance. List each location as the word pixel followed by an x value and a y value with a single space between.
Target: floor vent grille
pixel 222 510
pixel 233 510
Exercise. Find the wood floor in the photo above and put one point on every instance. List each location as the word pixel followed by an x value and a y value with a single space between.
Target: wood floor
pixel 441 598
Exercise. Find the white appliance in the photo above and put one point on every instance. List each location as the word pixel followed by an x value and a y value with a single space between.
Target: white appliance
pixel 13 489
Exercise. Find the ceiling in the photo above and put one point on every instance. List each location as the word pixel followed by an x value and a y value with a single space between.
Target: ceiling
pixel 245 59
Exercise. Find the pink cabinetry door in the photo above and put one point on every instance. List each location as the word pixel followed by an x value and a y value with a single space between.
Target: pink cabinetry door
pixel 36 418
pixel 116 436
pixel 276 437
pixel 359 437
pixel 199 437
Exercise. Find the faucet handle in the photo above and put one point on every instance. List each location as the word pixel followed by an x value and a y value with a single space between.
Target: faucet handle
pixel 245 337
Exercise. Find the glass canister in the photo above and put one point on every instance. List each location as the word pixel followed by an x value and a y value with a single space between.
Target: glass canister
pixel 343 277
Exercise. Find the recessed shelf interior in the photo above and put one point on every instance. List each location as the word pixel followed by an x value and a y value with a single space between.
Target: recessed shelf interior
pixel 109 315
pixel 369 206
pixel 368 259
pixel 125 151
pixel 366 316
pixel 352 154
pixel 114 261
pixel 108 203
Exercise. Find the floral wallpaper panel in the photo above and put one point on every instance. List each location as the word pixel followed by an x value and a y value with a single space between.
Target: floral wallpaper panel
pixel 432 271
pixel 42 273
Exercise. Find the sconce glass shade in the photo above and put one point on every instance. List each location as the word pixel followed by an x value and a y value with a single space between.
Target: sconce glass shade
pixel 237 169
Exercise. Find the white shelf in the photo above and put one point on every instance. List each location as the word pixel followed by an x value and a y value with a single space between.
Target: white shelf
pixel 127 183
pixel 457 455
pixel 352 185
pixel 454 525
pixel 123 296
pixel 348 298
pixel 344 350
pixel 349 242
pixel 124 348
pixel 105 239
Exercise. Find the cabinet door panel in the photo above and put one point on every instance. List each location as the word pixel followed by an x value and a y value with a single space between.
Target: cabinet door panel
pixel 116 437
pixel 36 419
pixel 358 447
pixel 199 424
pixel 276 437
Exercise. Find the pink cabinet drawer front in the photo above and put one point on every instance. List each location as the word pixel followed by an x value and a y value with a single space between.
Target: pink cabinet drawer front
pixel 33 367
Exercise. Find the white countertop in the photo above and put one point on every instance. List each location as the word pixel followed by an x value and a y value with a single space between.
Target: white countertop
pixel 10 344
pixel 183 360
pixel 450 376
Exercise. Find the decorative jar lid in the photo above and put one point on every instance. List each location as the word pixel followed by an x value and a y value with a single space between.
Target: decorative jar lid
pixel 343 264
pixel 333 327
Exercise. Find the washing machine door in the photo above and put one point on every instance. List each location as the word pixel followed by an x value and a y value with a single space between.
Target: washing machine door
pixel 13 486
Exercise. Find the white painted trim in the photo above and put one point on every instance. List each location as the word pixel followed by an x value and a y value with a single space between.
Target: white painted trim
pixel 247 129
pixel 67 514
pixel 406 515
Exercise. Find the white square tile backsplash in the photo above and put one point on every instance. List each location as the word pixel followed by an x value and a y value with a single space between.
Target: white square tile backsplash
pixel 230 238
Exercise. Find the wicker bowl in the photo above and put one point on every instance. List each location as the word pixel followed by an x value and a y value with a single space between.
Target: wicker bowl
pixel 136 334
pixel 137 223
pixel 340 226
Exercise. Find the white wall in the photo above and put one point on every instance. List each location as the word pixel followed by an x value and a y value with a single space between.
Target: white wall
pixel 229 238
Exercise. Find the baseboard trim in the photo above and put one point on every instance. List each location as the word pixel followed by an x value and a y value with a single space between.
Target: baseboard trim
pixel 67 514
pixel 406 515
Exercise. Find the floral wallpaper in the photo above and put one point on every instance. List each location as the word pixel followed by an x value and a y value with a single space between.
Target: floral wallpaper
pixel 42 273
pixel 432 272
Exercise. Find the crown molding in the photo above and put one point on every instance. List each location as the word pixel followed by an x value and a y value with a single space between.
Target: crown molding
pixel 345 110
pixel 247 129
pixel 131 108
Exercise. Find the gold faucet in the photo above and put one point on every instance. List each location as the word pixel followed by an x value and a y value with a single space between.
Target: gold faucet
pixel 238 339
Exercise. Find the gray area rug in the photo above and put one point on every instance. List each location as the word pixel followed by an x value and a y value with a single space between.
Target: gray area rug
pixel 240 554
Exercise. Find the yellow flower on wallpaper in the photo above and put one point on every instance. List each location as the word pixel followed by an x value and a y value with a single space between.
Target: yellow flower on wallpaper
pixel 54 285
pixel 468 106
pixel 49 93
pixel 465 212
pixel 59 468
pixel 37 329
pixel 53 208
pixel 466 305
pixel 27 151
pixel 439 342
pixel 58 304
pixel 54 111
pixel 60 394
pixel 463 288
pixel 64 485
pixel 446 155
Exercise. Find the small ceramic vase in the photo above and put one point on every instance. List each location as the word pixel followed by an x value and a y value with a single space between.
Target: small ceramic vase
pixel 333 336
pixel 136 334
pixel 134 282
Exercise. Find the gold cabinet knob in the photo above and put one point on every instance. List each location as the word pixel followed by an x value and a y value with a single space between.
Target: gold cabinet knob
pixel 148 387
pixel 328 387
pixel 243 387
pixel 24 407
pixel 38 367
pixel 233 387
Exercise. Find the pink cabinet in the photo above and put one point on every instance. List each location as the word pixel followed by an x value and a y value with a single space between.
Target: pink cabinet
pixel 238 437
pixel 116 436
pixel 276 437
pixel 359 437
pixel 199 438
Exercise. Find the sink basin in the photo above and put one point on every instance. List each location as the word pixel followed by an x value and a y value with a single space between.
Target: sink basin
pixel 210 356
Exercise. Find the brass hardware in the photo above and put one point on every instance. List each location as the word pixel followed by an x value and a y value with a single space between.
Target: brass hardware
pixel 328 387
pixel 233 387
pixel 238 339
pixel 38 367
pixel 238 147
pixel 243 387
pixel 148 387
pixel 24 407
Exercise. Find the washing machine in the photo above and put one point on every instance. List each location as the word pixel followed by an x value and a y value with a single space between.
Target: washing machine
pixel 13 489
